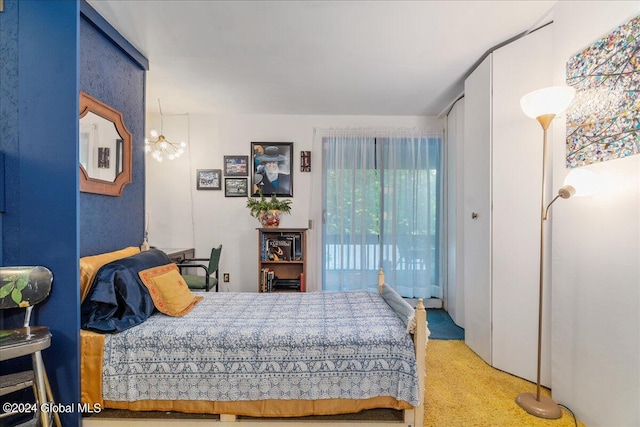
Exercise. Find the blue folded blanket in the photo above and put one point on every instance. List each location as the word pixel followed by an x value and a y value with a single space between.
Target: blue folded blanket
pixel 117 299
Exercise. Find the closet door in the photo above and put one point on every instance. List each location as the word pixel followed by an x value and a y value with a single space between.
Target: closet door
pixel 502 183
pixel 518 68
pixel 477 209
pixel 454 301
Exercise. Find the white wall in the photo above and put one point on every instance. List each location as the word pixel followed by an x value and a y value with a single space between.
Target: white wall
pixel 176 208
pixel 595 257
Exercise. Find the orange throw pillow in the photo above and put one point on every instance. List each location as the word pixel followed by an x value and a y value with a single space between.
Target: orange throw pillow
pixel 169 291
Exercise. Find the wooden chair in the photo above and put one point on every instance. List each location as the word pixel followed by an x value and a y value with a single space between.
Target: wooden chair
pixel 210 278
pixel 24 287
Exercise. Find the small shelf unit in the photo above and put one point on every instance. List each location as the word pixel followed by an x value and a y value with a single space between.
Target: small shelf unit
pixel 282 259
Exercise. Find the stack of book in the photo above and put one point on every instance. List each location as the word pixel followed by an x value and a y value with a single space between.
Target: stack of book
pixel 290 284
pixel 281 247
pixel 286 285
pixel 296 245
pixel 267 280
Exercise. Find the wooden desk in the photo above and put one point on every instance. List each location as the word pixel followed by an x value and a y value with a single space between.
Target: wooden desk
pixel 178 254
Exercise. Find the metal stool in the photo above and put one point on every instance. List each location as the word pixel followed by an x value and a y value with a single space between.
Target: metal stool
pixel 24 287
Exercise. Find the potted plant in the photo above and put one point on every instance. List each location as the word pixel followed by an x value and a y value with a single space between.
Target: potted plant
pixel 268 210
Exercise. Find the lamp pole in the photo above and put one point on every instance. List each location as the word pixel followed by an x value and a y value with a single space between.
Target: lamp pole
pixel 543 105
pixel 541 406
pixel 545 122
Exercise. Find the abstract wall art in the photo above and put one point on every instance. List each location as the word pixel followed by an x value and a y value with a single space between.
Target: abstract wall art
pixel 603 122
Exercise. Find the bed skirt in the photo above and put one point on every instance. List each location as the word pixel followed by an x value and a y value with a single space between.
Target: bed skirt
pixel 263 408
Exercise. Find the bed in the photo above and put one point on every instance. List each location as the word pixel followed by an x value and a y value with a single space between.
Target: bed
pixel 250 354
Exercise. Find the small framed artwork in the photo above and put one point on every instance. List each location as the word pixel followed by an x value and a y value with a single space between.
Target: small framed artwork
pixel 272 168
pixel 236 165
pixel 235 187
pixel 103 157
pixel 305 161
pixel 209 179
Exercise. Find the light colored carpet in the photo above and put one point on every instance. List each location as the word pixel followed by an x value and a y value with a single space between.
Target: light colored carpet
pixel 464 391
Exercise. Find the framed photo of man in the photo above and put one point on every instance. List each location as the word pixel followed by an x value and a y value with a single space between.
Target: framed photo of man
pixel 272 168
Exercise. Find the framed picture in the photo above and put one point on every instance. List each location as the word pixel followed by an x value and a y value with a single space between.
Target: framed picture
pixel 272 168
pixel 235 187
pixel 236 165
pixel 603 120
pixel 305 161
pixel 103 157
pixel 209 179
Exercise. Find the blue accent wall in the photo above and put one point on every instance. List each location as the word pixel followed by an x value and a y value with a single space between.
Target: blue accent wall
pixel 39 110
pixel 48 53
pixel 9 119
pixel 108 74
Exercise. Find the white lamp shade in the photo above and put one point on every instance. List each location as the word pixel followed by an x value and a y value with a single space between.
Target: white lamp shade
pixel 550 100
pixel 585 182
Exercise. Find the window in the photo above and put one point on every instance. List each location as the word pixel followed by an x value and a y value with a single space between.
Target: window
pixel 382 208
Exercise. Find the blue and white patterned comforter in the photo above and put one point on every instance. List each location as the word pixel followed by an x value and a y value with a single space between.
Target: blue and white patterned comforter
pixel 246 346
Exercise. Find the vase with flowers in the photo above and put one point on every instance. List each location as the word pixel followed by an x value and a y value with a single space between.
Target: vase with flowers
pixel 268 210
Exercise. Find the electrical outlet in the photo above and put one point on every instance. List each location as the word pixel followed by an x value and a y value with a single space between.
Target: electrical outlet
pixel 225 277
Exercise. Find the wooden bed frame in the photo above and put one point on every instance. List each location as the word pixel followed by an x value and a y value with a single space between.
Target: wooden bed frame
pixel 413 417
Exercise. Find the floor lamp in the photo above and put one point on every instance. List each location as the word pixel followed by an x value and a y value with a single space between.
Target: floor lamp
pixel 543 105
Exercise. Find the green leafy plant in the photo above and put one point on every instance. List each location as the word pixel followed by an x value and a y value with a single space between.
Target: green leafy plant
pixel 14 286
pixel 262 204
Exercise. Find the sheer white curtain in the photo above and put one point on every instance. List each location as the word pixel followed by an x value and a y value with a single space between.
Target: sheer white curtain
pixel 412 201
pixel 381 207
pixel 351 207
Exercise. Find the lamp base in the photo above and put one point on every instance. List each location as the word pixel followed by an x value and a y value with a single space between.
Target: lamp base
pixel 543 408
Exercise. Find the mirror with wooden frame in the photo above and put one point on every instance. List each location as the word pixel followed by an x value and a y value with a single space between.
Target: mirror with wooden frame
pixel 105 148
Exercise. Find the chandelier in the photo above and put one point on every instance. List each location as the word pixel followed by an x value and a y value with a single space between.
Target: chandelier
pixel 159 146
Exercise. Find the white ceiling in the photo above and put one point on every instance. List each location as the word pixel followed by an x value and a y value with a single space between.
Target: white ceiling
pixel 314 57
